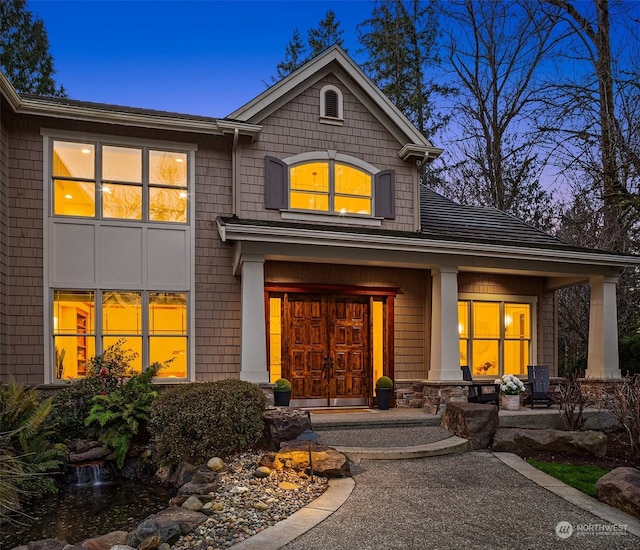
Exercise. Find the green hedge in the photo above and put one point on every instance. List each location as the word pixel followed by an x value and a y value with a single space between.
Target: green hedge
pixel 193 422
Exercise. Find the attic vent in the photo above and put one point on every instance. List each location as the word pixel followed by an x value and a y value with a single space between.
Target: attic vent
pixel 331 105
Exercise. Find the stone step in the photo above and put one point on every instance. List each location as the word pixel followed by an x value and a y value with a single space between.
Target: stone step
pixel 450 445
pixel 370 424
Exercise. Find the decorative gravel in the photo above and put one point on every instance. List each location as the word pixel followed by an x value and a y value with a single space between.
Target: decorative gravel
pixel 248 505
pixel 383 437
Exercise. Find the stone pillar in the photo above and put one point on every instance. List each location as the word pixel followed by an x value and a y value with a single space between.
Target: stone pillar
pixel 253 354
pixel 602 360
pixel 445 347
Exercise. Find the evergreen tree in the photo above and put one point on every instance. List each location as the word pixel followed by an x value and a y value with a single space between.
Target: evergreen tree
pixel 327 34
pixel 24 50
pixel 294 56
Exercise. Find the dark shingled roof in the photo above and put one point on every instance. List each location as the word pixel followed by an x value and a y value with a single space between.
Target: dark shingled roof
pixel 442 218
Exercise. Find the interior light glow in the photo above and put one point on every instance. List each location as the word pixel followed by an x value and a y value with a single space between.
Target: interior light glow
pixel 343 211
pixel 507 320
pixel 106 189
pixel 460 328
pixel 179 160
pixel 183 195
pixel 85 151
pixel 68 196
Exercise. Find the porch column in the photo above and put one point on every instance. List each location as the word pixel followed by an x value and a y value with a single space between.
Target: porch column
pixel 253 354
pixel 445 347
pixel 602 359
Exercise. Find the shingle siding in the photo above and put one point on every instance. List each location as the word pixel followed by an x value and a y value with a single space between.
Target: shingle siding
pixel 4 238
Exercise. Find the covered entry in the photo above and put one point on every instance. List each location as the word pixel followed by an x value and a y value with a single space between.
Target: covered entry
pixel 330 345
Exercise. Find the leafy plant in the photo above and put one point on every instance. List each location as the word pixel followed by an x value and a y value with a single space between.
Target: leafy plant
pixel 582 477
pixel 384 383
pixel 121 413
pixel 193 422
pixel 25 452
pixel 282 384
pixel 114 362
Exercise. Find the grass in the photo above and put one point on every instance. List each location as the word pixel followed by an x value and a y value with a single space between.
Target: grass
pixel 581 477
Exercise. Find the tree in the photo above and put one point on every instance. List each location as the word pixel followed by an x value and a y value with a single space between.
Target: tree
pixel 24 50
pixel 319 39
pixel 495 51
pixel 401 41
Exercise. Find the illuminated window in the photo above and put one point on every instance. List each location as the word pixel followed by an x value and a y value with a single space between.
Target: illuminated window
pixel 495 337
pixel 153 324
pixel 330 186
pixel 95 180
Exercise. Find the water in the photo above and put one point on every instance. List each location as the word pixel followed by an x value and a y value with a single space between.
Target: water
pixel 78 512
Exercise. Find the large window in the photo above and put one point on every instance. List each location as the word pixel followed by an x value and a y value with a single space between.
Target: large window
pixel 97 180
pixel 153 324
pixel 495 337
pixel 331 187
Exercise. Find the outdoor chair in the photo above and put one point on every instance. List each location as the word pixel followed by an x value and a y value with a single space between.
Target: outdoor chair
pixel 477 393
pixel 539 387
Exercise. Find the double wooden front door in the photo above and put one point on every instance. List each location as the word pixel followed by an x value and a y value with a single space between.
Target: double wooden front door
pixel 325 349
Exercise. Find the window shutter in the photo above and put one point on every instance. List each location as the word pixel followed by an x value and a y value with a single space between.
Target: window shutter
pixel 331 104
pixel 385 194
pixel 276 184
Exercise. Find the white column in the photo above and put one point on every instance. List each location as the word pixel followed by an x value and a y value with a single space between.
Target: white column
pixel 445 347
pixel 253 354
pixel 602 360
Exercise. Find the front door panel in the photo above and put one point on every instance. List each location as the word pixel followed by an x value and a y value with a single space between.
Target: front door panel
pixel 326 349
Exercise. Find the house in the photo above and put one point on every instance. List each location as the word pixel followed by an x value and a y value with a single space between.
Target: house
pixel 291 238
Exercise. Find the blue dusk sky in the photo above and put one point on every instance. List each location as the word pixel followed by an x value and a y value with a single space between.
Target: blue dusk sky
pixel 205 57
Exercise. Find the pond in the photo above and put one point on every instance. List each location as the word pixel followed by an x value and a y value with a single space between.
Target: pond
pixel 78 512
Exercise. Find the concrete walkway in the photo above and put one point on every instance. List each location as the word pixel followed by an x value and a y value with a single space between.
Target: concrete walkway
pixel 477 499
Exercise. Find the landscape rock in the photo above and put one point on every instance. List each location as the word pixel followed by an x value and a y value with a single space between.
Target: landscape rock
pixel 327 462
pixel 516 440
pixel 193 503
pixel 621 488
pixel 150 543
pixel 46 544
pixel 90 455
pixel 474 421
pixel 215 464
pixel 122 547
pixel 262 472
pixel 169 523
pixel 175 477
pixel 284 424
pixel 192 488
pixel 105 542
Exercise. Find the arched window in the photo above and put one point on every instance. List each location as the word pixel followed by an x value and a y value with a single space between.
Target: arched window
pixel 331 103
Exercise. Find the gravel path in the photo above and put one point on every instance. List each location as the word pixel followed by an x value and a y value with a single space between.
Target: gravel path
pixel 452 502
pixel 383 437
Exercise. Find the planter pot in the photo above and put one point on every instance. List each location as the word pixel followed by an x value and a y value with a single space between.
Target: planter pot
pixel 281 398
pixel 510 402
pixel 384 398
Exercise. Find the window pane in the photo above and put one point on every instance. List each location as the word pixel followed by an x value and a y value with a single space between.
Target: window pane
pixel 464 352
pixel 162 349
pixel 313 176
pixel 484 358
pixel 168 168
pixel 133 344
pixel 309 201
pixel 73 160
pixel 73 312
pixel 74 198
pixel 71 354
pixel 516 356
pixel 350 205
pixel 517 320
pixel 122 201
pixel 121 313
pixel 167 205
pixel 121 164
pixel 168 313
pixel 351 181
pixel 463 320
pixel 486 320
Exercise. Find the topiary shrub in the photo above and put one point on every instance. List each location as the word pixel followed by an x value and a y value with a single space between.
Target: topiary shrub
pixel 282 384
pixel 384 383
pixel 193 422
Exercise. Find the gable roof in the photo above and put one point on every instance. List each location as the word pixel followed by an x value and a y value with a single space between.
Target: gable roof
pixel 335 61
pixel 443 218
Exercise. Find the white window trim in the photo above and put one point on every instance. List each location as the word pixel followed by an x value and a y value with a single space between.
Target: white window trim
pixel 49 135
pixel 339 120
pixel 514 299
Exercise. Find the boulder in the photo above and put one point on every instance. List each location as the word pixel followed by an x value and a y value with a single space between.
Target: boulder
pixel 105 542
pixel 203 482
pixel 192 503
pixel 46 544
pixel 169 524
pixel 621 488
pixel 175 477
pixel 327 462
pixel 474 421
pixel 284 424
pixel 150 543
pixel 215 464
pixel 515 440
pixel 90 455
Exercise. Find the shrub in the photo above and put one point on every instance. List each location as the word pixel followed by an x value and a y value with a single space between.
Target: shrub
pixel 629 354
pixel 282 384
pixel 573 398
pixel 384 382
pixel 193 422
pixel 624 404
pixel 122 412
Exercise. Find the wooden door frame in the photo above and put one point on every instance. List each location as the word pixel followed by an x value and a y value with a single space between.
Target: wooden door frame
pixel 389 293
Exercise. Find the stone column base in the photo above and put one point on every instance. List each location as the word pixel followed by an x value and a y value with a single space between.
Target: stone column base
pixel 438 394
